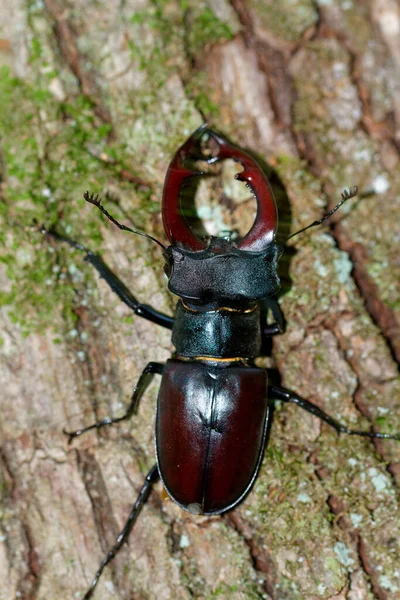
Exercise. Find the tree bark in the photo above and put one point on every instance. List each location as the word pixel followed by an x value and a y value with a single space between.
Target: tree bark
pixel 103 95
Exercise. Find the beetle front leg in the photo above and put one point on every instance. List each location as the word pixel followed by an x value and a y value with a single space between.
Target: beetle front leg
pixel 117 286
pixel 284 395
pixel 151 369
pixel 279 325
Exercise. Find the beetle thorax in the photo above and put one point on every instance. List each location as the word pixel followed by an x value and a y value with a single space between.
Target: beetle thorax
pixel 222 274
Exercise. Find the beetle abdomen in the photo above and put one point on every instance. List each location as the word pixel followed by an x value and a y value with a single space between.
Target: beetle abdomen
pixel 210 433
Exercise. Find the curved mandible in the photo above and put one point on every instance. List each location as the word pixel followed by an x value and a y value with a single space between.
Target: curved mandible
pixel 175 226
pixel 265 225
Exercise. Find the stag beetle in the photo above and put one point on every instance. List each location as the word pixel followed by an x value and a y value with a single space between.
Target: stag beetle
pixel 214 404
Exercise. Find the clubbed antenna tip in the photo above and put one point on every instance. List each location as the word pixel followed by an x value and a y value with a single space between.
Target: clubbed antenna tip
pixel 92 199
pixel 96 201
pixel 346 195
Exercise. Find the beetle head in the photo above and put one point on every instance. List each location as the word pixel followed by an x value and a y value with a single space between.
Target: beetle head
pixel 217 269
pixel 222 273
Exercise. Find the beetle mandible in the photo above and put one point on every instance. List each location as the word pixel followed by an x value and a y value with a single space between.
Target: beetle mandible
pixel 214 404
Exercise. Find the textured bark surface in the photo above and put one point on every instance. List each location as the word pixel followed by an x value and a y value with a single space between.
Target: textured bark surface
pixel 313 88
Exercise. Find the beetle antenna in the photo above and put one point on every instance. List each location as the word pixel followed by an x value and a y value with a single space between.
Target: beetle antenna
pixel 96 201
pixel 346 195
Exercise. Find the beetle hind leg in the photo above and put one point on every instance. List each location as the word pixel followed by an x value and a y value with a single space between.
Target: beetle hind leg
pixel 151 478
pixel 151 369
pixel 284 395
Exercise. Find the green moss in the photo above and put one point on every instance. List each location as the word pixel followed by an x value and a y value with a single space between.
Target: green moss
pixel 205 29
pixel 47 167
pixel 201 94
pixel 287 19
pixel 333 565
pixel 174 33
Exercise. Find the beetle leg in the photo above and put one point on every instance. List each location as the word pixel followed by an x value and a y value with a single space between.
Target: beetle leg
pixel 151 478
pixel 144 381
pixel 279 393
pixel 279 325
pixel 117 286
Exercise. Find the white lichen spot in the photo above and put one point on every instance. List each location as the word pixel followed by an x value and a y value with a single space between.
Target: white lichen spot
pixel 356 519
pixel 184 542
pixel 81 355
pixel 382 410
pixel 352 462
pixel 304 498
pixel 343 267
pixel 322 588
pixel 320 268
pixel 385 582
pixel 326 238
pixel 36 5
pixel 339 69
pixel 46 192
pixel 380 184
pixel 379 480
pixel 213 218
pixel 73 333
pixel 363 154
pixel 23 256
pixel 74 272
pixel 342 552
pixel 56 89
pixel 389 22
pixel 347 5
pixel 110 586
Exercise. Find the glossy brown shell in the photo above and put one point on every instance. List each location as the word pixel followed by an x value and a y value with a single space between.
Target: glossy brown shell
pixel 210 432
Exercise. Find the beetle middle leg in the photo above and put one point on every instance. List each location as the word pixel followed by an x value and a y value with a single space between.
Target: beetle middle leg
pixel 151 369
pixel 279 393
